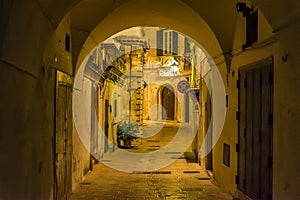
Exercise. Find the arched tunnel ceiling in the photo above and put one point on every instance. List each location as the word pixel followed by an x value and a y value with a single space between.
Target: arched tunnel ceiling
pixel 153 13
pixel 279 13
pixel 220 15
pixel 55 10
pixel 85 16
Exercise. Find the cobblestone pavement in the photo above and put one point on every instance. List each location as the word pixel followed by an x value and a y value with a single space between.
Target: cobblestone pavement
pixel 182 179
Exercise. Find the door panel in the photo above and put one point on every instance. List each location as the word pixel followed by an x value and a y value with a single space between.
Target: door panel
pixel 266 137
pixel 242 133
pixel 187 107
pixel 168 100
pixel 255 130
pixel 208 116
pixel 63 137
pixel 256 133
pixel 106 125
pixel 249 132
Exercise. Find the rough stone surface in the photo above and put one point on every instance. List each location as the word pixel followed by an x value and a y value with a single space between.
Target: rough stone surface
pixel 173 183
pixel 183 179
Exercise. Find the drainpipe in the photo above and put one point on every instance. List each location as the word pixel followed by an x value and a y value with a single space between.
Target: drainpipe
pixel 130 85
pixel 193 65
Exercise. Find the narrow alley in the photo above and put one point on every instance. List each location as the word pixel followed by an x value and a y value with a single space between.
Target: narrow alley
pixel 183 179
pixel 149 99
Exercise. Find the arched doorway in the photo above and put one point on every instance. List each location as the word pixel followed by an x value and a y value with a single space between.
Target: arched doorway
pixel 168 103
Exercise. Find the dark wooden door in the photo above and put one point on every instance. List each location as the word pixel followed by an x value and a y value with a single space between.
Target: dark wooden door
pixel 187 107
pixel 255 130
pixel 168 100
pixel 208 129
pixel 63 138
pixel 106 125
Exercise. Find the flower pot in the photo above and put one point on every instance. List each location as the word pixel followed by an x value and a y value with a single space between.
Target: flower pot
pixel 121 143
pixel 127 143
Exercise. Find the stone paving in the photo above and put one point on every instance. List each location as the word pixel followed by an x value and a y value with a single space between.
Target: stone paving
pixel 182 179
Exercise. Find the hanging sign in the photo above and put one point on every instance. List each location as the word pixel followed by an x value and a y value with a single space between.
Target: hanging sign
pixel 183 86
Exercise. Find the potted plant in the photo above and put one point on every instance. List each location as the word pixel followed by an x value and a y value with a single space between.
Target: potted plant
pixel 126 132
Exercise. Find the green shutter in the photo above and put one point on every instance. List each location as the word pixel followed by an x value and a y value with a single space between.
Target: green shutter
pixel 159 43
pixel 187 48
pixel 175 43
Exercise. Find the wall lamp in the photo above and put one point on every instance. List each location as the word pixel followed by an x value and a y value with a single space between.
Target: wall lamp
pixel 242 7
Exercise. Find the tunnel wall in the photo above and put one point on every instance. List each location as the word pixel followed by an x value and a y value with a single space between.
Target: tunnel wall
pixel 27 99
pixel 58 57
pixel 30 44
pixel 285 108
pixel 225 175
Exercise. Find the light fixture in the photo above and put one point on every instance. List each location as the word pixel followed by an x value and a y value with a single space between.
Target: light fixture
pixel 242 7
pixel 55 59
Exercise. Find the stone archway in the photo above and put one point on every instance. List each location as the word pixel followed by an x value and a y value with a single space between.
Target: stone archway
pixel 28 25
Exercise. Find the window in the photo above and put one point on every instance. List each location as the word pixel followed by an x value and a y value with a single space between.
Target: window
pixel 251 28
pixel 187 46
pixel 226 155
pixel 167 42
pixel 115 108
pixel 67 43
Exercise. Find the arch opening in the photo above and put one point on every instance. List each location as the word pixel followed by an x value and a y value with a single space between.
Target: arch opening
pixel 127 71
pixel 27 58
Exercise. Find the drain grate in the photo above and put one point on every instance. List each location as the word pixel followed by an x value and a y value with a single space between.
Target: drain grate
pixel 140 172
pixel 211 195
pixel 181 157
pixel 204 178
pixel 106 160
pixel 173 152
pixel 152 140
pixel 191 172
pixel 192 189
pixel 85 183
pixel 151 149
pixel 162 172
pixel 156 172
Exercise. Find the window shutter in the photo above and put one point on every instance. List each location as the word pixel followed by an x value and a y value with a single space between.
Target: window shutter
pixel 159 43
pixel 175 43
pixel 187 48
pixel 251 28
